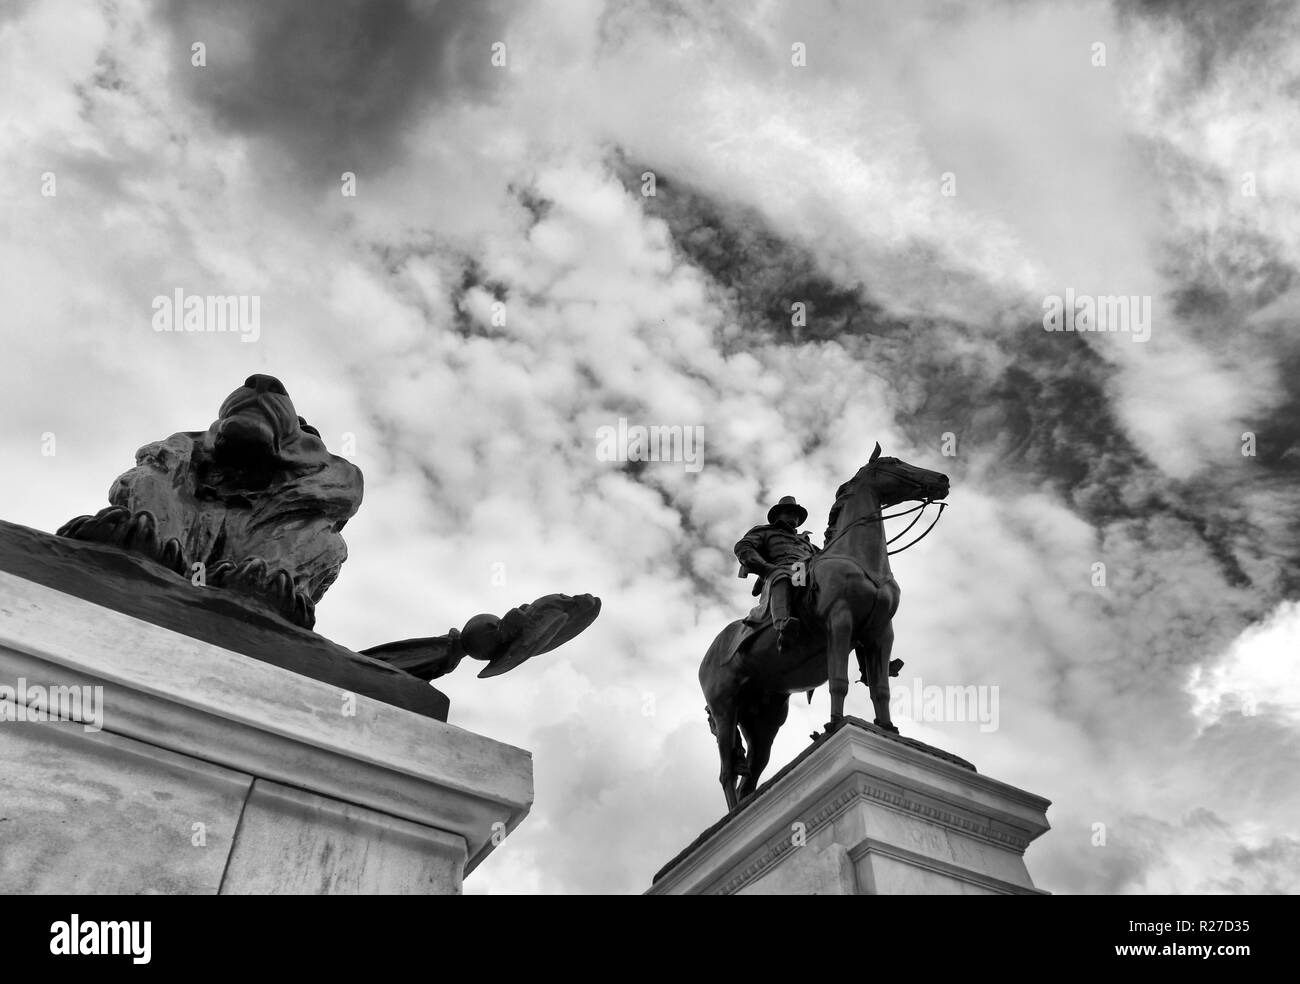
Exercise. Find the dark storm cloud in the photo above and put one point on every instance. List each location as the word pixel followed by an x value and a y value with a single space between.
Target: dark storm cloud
pixel 1228 276
pixel 1217 32
pixel 1040 410
pixel 337 83
pixel 1222 280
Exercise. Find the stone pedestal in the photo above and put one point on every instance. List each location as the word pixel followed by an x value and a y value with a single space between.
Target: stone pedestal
pixel 864 812
pixel 217 772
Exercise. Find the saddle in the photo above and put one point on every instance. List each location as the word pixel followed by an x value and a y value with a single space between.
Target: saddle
pixel 760 616
pixel 802 604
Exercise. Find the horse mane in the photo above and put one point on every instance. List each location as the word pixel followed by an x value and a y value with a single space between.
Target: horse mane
pixel 832 520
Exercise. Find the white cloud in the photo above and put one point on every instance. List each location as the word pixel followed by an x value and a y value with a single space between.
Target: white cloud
pixel 1258 674
pixel 478 440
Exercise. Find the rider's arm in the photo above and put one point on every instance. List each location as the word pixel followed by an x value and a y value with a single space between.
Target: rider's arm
pixel 748 553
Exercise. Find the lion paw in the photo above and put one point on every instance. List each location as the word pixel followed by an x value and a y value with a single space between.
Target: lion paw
pixel 137 532
pixel 273 586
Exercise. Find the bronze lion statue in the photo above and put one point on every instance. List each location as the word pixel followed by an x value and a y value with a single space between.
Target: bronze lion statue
pixel 254 504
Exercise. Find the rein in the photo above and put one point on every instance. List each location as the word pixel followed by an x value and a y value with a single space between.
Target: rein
pixel 919 510
pixel 933 523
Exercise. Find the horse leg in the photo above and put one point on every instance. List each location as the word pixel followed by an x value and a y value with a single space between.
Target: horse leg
pixel 760 727
pixel 874 659
pixel 746 783
pixel 722 686
pixel 839 640
pixel 722 719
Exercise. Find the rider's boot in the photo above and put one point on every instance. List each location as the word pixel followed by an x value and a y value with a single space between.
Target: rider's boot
pixel 787 627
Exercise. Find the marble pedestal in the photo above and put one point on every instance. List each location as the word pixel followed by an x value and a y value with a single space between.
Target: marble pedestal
pixel 863 812
pixel 215 772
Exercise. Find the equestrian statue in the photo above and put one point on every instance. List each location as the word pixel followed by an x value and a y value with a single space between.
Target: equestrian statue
pixel 815 606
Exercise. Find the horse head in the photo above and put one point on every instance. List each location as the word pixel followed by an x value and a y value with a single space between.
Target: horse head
pixel 895 480
pixel 892 480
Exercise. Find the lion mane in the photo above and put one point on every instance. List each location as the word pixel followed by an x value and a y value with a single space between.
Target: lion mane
pixel 255 504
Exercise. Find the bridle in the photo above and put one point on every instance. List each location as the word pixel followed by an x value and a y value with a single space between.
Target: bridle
pixel 919 510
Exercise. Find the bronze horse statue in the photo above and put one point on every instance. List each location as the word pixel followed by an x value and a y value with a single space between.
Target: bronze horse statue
pixel 849 603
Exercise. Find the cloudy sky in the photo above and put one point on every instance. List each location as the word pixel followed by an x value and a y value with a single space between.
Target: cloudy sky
pixel 921 183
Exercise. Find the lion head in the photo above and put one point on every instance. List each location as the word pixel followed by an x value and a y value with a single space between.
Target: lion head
pixel 254 504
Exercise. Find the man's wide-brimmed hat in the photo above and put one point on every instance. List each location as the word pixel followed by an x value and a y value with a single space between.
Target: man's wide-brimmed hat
pixel 787 502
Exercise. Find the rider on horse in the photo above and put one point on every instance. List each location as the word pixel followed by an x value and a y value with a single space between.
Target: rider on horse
pixel 771 551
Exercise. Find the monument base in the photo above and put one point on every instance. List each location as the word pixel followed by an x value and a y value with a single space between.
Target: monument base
pixel 137 759
pixel 866 812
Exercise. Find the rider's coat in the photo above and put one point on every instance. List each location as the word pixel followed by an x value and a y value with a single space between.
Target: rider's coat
pixel 772 544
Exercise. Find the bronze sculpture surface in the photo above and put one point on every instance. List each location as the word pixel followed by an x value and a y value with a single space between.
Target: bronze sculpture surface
pixel 503 643
pixel 771 551
pixel 255 505
pixel 750 670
